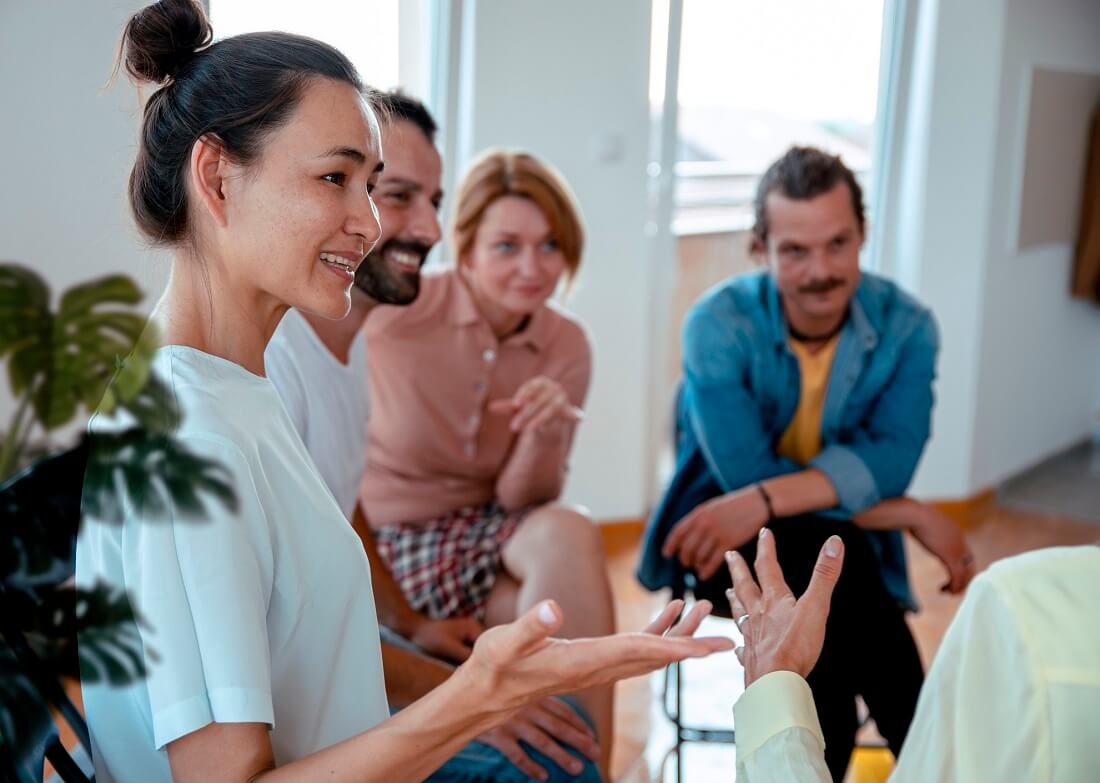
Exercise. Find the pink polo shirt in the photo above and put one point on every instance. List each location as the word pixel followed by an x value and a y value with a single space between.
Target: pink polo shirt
pixel 433 368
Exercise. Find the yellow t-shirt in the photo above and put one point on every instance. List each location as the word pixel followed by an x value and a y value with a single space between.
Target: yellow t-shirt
pixel 802 440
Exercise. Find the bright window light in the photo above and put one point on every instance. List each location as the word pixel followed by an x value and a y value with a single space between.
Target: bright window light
pixel 367 31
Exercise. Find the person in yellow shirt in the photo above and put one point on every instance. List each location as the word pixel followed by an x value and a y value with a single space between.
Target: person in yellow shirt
pixel 1013 693
pixel 805 405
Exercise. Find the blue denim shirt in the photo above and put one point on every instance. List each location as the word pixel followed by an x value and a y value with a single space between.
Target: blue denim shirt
pixel 741 388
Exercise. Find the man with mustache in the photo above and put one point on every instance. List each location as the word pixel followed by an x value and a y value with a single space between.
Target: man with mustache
pixel 319 368
pixel 805 406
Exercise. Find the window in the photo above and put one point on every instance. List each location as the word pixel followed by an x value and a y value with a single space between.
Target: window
pixel 385 39
pixel 756 78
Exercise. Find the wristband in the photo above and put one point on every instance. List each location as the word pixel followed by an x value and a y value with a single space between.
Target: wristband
pixel 767 501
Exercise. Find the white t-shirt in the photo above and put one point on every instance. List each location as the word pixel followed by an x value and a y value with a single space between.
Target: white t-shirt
pixel 263 614
pixel 328 402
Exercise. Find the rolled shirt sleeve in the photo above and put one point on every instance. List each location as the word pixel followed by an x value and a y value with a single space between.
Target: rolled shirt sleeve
pixel 877 461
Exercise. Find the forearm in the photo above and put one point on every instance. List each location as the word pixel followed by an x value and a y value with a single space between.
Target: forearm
pixel 893 514
pixel 800 493
pixel 393 608
pixel 810 490
pixel 408 746
pixel 535 471
pixel 410 675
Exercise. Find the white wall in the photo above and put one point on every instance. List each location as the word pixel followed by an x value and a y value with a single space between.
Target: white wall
pixel 1020 367
pixel 1040 348
pixel 1019 357
pixel 568 81
pixel 67 146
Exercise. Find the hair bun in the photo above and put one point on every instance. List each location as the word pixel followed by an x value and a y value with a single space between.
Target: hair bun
pixel 162 38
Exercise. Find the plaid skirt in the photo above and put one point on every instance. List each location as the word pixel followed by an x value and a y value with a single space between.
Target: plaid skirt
pixel 446 566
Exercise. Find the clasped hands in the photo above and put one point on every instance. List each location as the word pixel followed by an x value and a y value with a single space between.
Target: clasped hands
pixel 729 521
pixel 540 405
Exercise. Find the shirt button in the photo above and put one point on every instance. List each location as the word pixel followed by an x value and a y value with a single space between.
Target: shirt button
pixel 479 387
pixel 489 355
pixel 469 449
pixel 474 421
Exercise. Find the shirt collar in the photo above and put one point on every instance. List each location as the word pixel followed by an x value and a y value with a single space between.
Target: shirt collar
pixel 463 312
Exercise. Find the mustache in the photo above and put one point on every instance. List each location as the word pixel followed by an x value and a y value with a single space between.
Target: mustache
pixel 821 286
pixel 408 245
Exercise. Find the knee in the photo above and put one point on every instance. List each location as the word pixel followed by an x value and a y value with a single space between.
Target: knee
pixel 565 529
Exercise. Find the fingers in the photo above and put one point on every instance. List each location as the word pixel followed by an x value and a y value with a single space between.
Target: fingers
pixel 697 545
pixel 737 610
pixel 711 563
pixel 665 619
pixel 563 712
pixel 538 739
pixel 452 639
pixel 534 626
pixel 692 620
pixel 565 726
pixel 529 408
pixel 826 573
pixel 548 406
pixel 960 573
pixel 468 628
pixel 691 541
pixel 631 655
pixel 551 412
pixel 679 532
pixel 743 583
pixel 511 750
pixel 502 407
pixel 772 584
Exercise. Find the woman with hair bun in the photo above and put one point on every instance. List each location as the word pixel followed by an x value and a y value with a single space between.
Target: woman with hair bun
pixel 255 165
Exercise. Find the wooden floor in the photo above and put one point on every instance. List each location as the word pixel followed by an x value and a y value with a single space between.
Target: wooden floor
pixel 642 736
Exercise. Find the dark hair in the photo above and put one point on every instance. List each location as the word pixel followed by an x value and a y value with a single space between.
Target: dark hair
pixel 235 91
pixel 396 105
pixel 803 173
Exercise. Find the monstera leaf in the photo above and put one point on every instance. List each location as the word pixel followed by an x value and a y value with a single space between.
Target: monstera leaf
pixel 58 361
pixel 65 358
pixel 25 721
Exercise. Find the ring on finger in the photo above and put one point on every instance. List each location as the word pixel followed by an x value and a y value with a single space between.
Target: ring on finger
pixel 741 621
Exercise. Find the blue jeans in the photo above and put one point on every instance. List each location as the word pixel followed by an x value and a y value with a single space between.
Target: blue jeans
pixel 480 763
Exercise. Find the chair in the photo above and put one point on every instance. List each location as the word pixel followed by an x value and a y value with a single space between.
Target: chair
pixel 673 691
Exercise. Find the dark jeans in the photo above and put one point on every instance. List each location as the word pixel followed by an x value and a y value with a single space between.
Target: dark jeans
pixel 868 648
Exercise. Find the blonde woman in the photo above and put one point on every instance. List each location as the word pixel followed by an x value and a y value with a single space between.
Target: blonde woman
pixel 478 388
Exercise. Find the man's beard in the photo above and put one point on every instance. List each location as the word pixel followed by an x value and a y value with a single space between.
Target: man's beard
pixel 381 282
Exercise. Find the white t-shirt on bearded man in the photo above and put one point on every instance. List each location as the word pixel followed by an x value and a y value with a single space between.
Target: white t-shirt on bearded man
pixel 328 402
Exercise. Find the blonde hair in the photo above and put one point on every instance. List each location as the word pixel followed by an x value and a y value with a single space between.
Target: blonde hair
pixel 498 173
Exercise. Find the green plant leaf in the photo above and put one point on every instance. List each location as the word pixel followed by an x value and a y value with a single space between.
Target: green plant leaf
pixel 25 720
pixel 27 363
pixel 24 301
pixel 151 471
pixel 104 621
pixel 113 289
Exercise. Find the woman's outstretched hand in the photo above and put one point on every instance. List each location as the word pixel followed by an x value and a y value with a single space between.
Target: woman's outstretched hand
pixel 781 634
pixel 517 663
